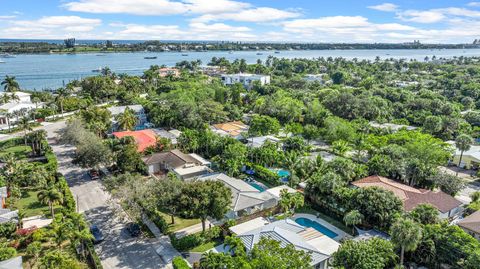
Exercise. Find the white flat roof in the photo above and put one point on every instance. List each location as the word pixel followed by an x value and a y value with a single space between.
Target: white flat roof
pixel 199 158
pixel 249 225
pixel 275 191
pixel 190 170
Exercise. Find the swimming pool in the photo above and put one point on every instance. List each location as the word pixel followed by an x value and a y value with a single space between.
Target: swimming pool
pixel 283 174
pixel 256 186
pixel 317 226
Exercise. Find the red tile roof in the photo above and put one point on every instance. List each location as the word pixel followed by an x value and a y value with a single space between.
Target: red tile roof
pixel 410 196
pixel 143 138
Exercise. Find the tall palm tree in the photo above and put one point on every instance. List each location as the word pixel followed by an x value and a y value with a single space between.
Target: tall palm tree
pixel 127 120
pixel 353 218
pixel 50 197
pixel 10 84
pixel 463 143
pixel 406 234
pixel 26 126
pixel 62 93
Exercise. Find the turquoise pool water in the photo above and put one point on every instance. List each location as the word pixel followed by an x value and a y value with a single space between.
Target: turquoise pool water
pixel 317 226
pixel 283 174
pixel 256 186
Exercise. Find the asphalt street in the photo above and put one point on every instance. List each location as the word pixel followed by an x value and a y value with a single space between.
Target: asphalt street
pixel 119 249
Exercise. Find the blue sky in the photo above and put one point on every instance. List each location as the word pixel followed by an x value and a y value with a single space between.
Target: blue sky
pixel 430 21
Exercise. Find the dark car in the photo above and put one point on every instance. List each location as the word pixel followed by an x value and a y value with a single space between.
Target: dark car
pixel 94 174
pixel 133 229
pixel 97 234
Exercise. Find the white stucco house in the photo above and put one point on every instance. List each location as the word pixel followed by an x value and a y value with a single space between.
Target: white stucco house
pixel 23 103
pixel 245 79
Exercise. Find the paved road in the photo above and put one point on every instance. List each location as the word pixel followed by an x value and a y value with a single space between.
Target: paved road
pixel 119 250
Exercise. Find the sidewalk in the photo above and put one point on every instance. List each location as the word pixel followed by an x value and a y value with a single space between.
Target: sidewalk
pixel 164 247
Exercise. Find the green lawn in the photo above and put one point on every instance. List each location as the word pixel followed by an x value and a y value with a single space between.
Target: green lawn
pixel 179 222
pixel 30 205
pixel 206 246
pixel 20 152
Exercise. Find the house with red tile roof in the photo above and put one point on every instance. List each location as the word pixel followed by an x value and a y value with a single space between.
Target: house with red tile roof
pixel 143 138
pixel 412 197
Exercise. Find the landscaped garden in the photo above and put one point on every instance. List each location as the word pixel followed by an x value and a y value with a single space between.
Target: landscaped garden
pixel 36 189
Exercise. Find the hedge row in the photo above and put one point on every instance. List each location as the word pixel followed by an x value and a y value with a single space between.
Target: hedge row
pixel 266 174
pixel 194 240
pixel 11 143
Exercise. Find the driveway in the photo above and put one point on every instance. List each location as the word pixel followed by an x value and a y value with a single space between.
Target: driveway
pixel 119 249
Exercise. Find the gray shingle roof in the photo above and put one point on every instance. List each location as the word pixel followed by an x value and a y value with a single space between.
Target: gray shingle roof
pixel 286 232
pixel 243 194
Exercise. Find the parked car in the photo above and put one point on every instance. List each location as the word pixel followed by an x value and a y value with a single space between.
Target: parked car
pixel 94 174
pixel 97 234
pixel 133 229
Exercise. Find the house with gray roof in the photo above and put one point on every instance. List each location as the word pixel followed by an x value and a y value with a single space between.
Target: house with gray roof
pixel 287 231
pixel 246 199
pixel 186 166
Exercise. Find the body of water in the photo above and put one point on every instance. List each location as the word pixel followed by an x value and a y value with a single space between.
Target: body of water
pixel 50 71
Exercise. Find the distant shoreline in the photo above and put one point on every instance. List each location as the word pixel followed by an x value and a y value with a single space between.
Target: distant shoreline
pixel 98 46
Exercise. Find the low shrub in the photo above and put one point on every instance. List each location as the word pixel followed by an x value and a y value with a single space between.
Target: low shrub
pixel 180 263
pixel 187 242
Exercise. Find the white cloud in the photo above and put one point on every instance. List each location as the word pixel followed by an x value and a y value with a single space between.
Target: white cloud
pixel 388 7
pixel 436 15
pixel 195 31
pixel 216 27
pixel 50 27
pixel 209 10
pixel 261 14
pixel 157 7
pixel 137 7
pixel 215 6
pixel 340 29
pixel 428 16
pixel 7 17
pixel 474 4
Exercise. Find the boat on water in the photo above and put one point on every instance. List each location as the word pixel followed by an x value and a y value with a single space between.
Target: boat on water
pixel 150 57
pixel 2 62
pixel 184 54
pixel 277 52
pixel 101 55
pixel 230 52
pixel 7 55
pixel 98 70
pixel 259 53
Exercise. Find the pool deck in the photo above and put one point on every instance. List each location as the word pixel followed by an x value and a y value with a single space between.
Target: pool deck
pixel 341 234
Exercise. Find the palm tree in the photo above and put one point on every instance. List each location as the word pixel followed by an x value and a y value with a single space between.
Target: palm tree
pixel 36 101
pixel 235 245
pixel 406 234
pixel 26 126
pixel 10 84
pixel 5 98
pixel 463 143
pixel 62 93
pixel 127 120
pixel 353 218
pixel 50 197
